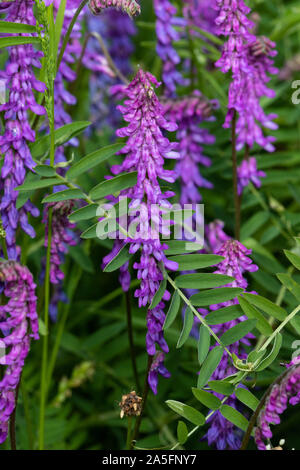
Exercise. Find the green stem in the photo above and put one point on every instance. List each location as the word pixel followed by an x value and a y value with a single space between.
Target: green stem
pixel 280 327
pixel 129 428
pixel 195 312
pixel 237 199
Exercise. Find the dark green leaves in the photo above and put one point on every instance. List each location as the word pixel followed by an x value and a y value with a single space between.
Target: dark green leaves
pixel 114 185
pixel 178 247
pixel 209 366
pixel 39 184
pixel 266 306
pixel 246 397
pixel 173 310
pixel 223 315
pixel 64 195
pixel 182 432
pixel 273 354
pixel 187 326
pixel 202 281
pixel 159 294
pixel 84 213
pixel 234 416
pixel 262 325
pixel 237 332
pixel 191 414
pixel 203 344
pixel 121 258
pixel 293 258
pixel 18 41
pixel 93 159
pixel 221 386
pixel 191 262
pixel 7 27
pixel 207 399
pixel 215 296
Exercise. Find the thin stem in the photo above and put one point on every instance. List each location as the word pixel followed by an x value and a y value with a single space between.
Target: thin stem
pixel 237 199
pixel 144 401
pixel 12 422
pixel 69 32
pixel 130 338
pixel 280 327
pixel 129 428
pixel 194 310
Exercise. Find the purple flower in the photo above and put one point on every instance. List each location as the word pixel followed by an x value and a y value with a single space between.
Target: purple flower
pixel 145 153
pixel 248 172
pixel 188 112
pixel 285 391
pixel 200 13
pixel 215 236
pixel 21 82
pixel 157 367
pixel 250 60
pixel 18 323
pixel 166 35
pixel 62 236
pixel 131 7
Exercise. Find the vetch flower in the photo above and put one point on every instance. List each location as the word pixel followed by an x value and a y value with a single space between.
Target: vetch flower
pixel 18 324
pixel 131 7
pixel 248 172
pixel 157 367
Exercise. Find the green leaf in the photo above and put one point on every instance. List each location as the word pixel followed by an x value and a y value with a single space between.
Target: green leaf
pixel 246 397
pixel 121 258
pixel 178 247
pixel 182 432
pixel 207 399
pixel 42 328
pixel 159 294
pixel 173 310
pixel 202 281
pixel 187 326
pixel 8 27
pixel 81 258
pixel 290 284
pixel 39 184
pixel 221 386
pixel 59 21
pixel 223 315
pixel 90 232
pixel 209 366
pixel 191 262
pixel 187 412
pixel 237 332
pixel 114 185
pixel 254 223
pixel 45 170
pixel 203 344
pixel 266 306
pixel 93 159
pixel 215 296
pixel 41 147
pixel 18 41
pixel 84 213
pixel 293 258
pixel 273 354
pixel 64 195
pixel 251 312
pixel 234 416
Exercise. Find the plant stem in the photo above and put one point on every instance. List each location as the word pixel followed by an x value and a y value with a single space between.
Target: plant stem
pixel 129 427
pixel 144 401
pixel 130 338
pixel 237 199
pixel 12 422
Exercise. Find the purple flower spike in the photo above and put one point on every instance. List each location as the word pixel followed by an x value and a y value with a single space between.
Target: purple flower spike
pixel 22 84
pixel 248 172
pixel 18 323
pixel 157 367
pixel 166 35
pixel 131 7
pixel 62 236
pixel 145 153
pixel 285 391
pixel 251 60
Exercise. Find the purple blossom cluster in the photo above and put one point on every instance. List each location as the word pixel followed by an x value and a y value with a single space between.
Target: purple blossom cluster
pixel 200 13
pixel 222 433
pixel 285 391
pixel 189 112
pixel 166 35
pixel 131 7
pixel 18 323
pixel 62 236
pixel 145 153
pixel 22 83
pixel 250 59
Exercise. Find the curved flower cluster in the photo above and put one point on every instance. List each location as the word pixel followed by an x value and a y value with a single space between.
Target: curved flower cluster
pixel 223 433
pixel 18 323
pixel 62 236
pixel 21 82
pixel 251 61
pixel 131 7
pixel 157 367
pixel 248 172
pixel 188 112
pixel 166 35
pixel 285 391
pixel 145 153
